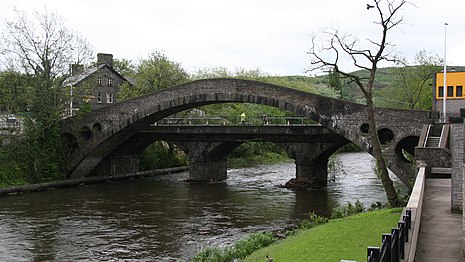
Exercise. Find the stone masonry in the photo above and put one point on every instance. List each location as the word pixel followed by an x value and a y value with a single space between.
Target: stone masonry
pixel 457 148
pixel 94 137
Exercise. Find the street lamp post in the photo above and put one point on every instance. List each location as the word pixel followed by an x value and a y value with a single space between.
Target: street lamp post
pixel 444 95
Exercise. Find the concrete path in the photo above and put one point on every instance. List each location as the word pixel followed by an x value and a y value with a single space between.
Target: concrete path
pixel 440 237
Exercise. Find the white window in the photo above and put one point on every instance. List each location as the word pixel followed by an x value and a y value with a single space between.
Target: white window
pixel 109 98
pixel 99 81
pixel 99 97
pixel 109 81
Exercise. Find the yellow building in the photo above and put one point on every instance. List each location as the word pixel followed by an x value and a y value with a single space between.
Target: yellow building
pixel 455 96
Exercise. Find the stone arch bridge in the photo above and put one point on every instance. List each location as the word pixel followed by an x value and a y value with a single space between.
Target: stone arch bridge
pixel 100 141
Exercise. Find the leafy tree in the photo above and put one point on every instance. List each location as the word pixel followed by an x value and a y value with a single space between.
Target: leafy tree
pixel 154 73
pixel 368 60
pixel 223 72
pixel 15 92
pixel 334 80
pixel 40 45
pixel 412 83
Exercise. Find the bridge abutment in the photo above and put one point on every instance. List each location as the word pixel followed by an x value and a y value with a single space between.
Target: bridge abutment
pixel 208 170
pixel 311 160
pixel 314 173
pixel 205 164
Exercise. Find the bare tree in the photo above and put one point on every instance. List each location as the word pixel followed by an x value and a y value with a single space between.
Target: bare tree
pixel 41 44
pixel 337 45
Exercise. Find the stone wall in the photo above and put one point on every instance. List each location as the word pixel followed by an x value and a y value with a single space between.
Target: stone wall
pixel 457 148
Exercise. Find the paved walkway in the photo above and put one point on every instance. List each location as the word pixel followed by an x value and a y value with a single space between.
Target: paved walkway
pixel 440 237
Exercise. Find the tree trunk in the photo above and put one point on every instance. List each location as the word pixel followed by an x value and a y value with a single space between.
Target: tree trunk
pixel 380 163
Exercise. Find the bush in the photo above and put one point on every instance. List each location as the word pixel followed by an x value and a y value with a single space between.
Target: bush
pixel 161 155
pixel 347 210
pixel 211 254
pixel 240 250
pixel 312 221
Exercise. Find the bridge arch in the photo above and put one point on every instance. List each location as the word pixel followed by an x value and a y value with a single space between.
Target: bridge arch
pixel 119 122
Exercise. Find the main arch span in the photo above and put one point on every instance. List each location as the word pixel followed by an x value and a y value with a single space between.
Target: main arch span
pixel 92 137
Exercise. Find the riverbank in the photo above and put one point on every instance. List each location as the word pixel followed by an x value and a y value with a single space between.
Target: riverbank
pixel 87 180
pixel 346 238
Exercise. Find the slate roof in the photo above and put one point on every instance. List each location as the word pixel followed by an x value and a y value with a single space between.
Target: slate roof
pixel 76 79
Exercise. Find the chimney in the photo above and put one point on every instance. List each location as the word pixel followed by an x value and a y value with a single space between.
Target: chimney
pixel 76 69
pixel 105 59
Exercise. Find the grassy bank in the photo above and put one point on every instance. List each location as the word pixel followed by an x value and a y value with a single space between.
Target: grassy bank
pixel 346 238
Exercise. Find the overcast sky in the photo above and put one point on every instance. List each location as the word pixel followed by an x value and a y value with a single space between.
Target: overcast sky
pixel 273 35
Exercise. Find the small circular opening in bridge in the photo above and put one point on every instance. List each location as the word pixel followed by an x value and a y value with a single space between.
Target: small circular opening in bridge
pixel 364 128
pixel 70 143
pixel 385 135
pixel 85 133
pixel 97 128
pixel 405 149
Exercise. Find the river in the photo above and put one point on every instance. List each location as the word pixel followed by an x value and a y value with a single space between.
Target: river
pixel 164 218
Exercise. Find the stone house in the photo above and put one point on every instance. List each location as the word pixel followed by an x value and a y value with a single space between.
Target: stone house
pixel 93 87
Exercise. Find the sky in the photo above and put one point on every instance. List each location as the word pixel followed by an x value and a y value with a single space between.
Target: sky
pixel 271 35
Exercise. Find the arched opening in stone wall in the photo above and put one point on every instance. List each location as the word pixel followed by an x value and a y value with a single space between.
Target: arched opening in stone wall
pixel 385 135
pixel 85 133
pixel 97 128
pixel 405 148
pixel 364 128
pixel 162 154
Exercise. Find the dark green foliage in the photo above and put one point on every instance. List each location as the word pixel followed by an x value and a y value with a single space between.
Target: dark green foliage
pixel 239 250
pixel 15 92
pixel 254 153
pixel 161 155
pixel 37 156
pixel 334 80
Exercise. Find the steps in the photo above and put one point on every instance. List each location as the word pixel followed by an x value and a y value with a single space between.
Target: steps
pixel 433 141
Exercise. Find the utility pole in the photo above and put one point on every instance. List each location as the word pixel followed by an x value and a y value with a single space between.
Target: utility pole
pixel 444 95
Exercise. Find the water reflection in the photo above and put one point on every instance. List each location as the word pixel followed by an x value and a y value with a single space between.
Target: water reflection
pixel 165 219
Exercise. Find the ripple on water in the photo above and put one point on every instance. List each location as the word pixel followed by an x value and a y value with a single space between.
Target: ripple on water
pixel 166 219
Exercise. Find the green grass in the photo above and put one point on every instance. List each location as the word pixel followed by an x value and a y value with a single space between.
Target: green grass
pixel 346 238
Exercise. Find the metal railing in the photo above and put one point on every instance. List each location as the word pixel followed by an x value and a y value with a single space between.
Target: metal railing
pixel 232 121
pixel 393 245
pixel 401 244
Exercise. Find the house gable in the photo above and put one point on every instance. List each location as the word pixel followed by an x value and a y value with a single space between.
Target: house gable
pixel 95 86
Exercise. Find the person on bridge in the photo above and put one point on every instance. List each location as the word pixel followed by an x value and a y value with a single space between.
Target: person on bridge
pixel 243 119
pixel 265 119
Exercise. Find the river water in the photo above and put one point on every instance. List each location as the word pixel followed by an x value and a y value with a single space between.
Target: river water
pixel 166 219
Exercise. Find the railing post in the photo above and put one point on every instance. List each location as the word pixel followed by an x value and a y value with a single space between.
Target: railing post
pixel 373 254
pixel 403 231
pixel 386 248
pixel 395 245
pixel 408 213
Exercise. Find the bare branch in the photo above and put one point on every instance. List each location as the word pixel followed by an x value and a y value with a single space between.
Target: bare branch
pixel 41 44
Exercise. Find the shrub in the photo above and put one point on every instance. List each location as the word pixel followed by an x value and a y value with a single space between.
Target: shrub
pixel 211 254
pixel 240 250
pixel 312 221
pixel 347 210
